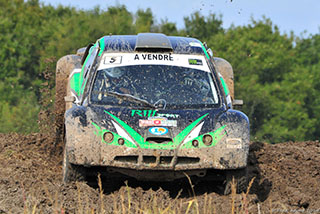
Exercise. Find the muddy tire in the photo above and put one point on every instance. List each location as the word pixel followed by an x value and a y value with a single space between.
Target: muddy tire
pixel 71 172
pixel 64 67
pixel 240 177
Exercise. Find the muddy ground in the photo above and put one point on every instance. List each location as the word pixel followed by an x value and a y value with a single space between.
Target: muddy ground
pixel 287 180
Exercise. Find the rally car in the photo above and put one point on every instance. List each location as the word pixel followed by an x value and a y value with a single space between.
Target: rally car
pixel 152 107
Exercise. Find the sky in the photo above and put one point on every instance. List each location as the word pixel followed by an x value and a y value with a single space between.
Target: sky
pixel 300 16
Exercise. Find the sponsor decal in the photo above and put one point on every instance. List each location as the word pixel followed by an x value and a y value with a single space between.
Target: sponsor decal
pixel 113 60
pixel 152 113
pixel 153 56
pixel 168 115
pixel 143 113
pixel 158 130
pixel 157 121
pixel 234 146
pixel 128 59
pixel 234 143
pixel 195 62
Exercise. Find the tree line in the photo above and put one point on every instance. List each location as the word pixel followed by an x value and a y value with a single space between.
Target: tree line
pixel 275 74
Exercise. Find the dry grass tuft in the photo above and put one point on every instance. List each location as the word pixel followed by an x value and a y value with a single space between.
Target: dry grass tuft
pixel 123 203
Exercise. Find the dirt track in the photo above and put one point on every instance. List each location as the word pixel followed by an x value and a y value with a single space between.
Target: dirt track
pixel 287 181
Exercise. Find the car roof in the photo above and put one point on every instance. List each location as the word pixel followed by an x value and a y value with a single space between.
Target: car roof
pixel 151 42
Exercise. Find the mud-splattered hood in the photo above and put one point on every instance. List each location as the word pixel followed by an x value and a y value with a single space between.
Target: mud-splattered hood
pixel 149 125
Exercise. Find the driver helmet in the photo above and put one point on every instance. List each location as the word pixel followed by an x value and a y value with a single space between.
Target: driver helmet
pixel 203 86
pixel 115 72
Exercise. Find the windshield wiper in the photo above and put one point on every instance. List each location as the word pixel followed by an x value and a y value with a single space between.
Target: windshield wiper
pixel 130 97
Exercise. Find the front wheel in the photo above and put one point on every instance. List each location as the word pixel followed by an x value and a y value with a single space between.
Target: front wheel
pixel 240 177
pixel 71 172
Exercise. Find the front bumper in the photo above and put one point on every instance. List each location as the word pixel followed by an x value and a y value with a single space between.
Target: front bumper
pixel 90 151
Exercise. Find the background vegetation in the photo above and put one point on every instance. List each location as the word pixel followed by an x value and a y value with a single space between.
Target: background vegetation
pixel 277 75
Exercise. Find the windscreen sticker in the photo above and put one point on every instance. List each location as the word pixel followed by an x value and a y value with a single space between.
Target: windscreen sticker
pixel 153 56
pixel 112 60
pixel 157 121
pixel 158 131
pixel 195 62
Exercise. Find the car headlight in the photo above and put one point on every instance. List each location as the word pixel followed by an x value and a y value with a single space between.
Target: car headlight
pixel 207 140
pixel 108 137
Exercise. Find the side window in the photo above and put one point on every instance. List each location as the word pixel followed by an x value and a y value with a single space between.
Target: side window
pixel 87 66
pixel 226 90
pixel 74 82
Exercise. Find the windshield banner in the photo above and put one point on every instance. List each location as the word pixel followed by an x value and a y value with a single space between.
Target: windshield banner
pixel 190 61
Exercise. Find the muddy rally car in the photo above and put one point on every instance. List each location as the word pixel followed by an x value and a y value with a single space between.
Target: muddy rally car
pixel 151 107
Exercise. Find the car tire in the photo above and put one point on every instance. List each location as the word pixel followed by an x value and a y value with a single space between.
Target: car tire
pixel 64 67
pixel 240 177
pixel 71 172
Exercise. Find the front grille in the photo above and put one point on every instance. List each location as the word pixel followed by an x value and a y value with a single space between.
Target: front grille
pixel 159 139
pixel 127 159
pixel 166 160
pixel 187 160
pixel 149 159
pixel 163 160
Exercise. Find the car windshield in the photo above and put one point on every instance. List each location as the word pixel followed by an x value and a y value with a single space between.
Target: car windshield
pixel 162 86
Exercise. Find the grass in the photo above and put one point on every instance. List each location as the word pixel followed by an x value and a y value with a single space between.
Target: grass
pixel 239 203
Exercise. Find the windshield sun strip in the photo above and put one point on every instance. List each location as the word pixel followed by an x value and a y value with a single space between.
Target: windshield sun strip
pixel 129 59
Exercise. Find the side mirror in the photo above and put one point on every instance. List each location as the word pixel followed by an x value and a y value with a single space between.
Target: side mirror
pixel 81 51
pixel 237 102
pixel 71 99
pixel 210 52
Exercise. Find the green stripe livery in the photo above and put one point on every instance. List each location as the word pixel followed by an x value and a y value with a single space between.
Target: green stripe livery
pixel 217 135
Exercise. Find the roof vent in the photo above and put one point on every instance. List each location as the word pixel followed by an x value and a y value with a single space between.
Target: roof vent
pixel 153 42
